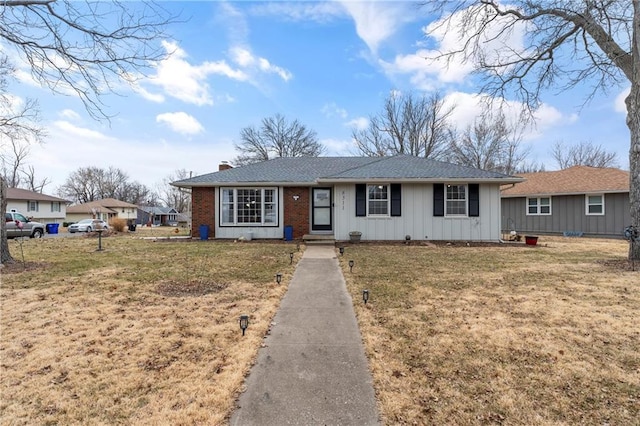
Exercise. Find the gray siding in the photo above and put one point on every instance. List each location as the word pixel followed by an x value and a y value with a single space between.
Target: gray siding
pixel 568 214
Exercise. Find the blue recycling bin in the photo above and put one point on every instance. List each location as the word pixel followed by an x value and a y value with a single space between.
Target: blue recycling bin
pixel 48 227
pixel 288 233
pixel 204 232
pixel 54 228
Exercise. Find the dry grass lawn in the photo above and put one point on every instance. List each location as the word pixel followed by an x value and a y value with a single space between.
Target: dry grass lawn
pixel 545 335
pixel 146 332
pixel 142 333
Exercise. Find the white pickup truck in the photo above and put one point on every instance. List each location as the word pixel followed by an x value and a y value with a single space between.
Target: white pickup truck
pixel 14 220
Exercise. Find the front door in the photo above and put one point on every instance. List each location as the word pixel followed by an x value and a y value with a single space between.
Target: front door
pixel 321 210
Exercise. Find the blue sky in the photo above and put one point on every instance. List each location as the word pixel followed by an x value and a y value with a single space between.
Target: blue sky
pixel 328 64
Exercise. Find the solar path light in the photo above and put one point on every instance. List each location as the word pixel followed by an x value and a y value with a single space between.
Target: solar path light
pixel 291 258
pixel 365 296
pixel 278 277
pixel 244 323
pixel 341 251
pixel 351 263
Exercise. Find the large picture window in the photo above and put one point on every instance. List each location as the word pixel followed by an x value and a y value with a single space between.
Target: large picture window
pixel 539 206
pixel 456 201
pixel 378 200
pixel 249 207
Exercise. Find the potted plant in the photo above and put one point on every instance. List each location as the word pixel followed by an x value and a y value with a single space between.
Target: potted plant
pixel 354 236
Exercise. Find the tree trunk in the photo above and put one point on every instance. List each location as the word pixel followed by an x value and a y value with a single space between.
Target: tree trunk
pixel 633 121
pixel 5 256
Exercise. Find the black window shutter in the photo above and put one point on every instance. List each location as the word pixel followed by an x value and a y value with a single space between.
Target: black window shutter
pixel 474 200
pixel 361 199
pixel 438 199
pixel 396 199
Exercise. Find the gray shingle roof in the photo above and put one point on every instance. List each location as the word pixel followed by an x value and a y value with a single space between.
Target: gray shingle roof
pixel 309 170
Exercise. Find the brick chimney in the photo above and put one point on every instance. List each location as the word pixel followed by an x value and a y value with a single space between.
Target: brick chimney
pixel 224 165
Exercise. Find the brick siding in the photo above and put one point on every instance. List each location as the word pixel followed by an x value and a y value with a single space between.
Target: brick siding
pixel 203 211
pixel 296 212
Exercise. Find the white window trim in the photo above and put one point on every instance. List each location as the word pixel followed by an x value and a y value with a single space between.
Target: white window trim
pixel 37 206
pixel 586 204
pixel 466 201
pixel 538 206
pixel 388 200
pixel 235 210
pixel 56 207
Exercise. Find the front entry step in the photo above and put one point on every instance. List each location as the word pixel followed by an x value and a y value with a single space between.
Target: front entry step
pixel 319 239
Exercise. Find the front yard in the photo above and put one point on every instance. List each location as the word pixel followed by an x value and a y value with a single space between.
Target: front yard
pixel 501 334
pixel 147 332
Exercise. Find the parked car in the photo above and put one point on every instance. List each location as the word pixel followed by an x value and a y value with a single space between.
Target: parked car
pixel 88 225
pixel 18 225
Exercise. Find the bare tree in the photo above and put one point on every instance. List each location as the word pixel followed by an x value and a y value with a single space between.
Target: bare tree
pixel 93 183
pixel 565 44
pixel 489 144
pixel 82 48
pixel 275 138
pixel 583 154
pixel 171 196
pixel 408 124
pixel 31 182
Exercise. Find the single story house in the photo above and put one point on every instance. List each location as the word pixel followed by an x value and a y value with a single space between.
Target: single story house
pixel 158 216
pixel 576 201
pixel 384 198
pixel 40 207
pixel 105 209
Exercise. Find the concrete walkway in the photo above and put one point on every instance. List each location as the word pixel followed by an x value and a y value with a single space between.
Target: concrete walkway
pixel 313 370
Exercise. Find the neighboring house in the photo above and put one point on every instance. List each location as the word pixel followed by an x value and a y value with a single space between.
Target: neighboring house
pixel 158 216
pixel 384 198
pixel 40 207
pixel 579 200
pixel 106 209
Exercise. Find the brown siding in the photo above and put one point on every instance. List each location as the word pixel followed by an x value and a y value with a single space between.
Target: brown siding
pixel 568 214
pixel 203 210
pixel 296 212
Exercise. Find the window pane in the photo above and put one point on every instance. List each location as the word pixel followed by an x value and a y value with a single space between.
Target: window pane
pixel 595 199
pixel 456 204
pixel 378 199
pixel 545 201
pixel 456 192
pixel 545 209
pixel 595 209
pixel 249 206
pixel 270 213
pixel 533 201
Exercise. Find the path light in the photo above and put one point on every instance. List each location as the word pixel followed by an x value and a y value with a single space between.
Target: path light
pixel 278 277
pixel 341 251
pixel 365 296
pixel 244 322
pixel 351 263
pixel 298 246
pixel 291 257
pixel 99 231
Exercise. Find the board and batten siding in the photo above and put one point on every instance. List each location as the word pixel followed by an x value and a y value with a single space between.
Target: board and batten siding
pixel 417 218
pixel 259 232
pixel 568 214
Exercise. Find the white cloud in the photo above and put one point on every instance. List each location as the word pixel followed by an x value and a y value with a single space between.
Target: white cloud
pixel 620 105
pixel 332 110
pixel 377 21
pixel 337 146
pixel 359 123
pixel 72 131
pixel 468 107
pixel 70 114
pixel 244 58
pixel 321 12
pixel 182 80
pixel 180 122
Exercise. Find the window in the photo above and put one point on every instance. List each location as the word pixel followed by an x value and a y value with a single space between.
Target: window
pixel 249 206
pixel 539 206
pixel 595 204
pixel 456 201
pixel 32 206
pixel 55 206
pixel 378 200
